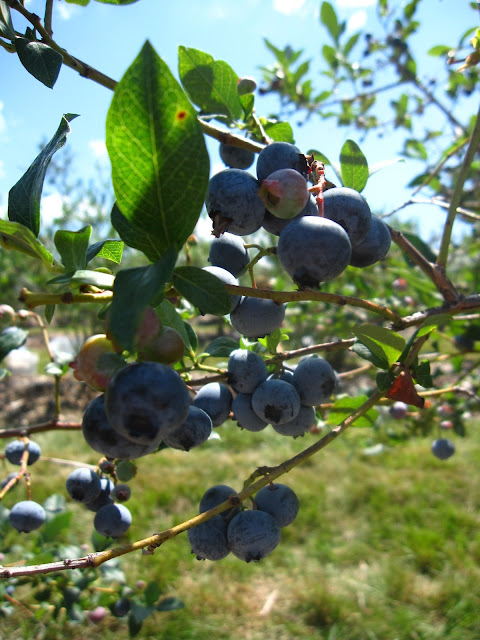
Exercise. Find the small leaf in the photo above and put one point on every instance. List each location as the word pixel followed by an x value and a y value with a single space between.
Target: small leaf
pixel 328 17
pixel 24 196
pixel 415 149
pixel 364 352
pixel 14 235
pixel 202 289
pixel 422 374
pixel 11 338
pixel 169 604
pixel 170 317
pixel 422 246
pixel 152 593
pixel 384 380
pixel 72 247
pixel 279 131
pixel 140 612
pixel 344 407
pixel 6 25
pixel 354 166
pixel 119 2
pixel 134 290
pixel 82 3
pixel 155 143
pixel 386 344
pixel 211 84
pixel 221 347
pixel 40 60
pixel 439 50
pixel 107 249
pixel 133 236
pixel 432 323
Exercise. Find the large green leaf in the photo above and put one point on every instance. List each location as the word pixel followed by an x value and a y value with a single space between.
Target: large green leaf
pixel 6 26
pixel 133 236
pixel 24 196
pixel 202 289
pixel 73 246
pixel 40 60
pixel 134 290
pixel 160 164
pixel 384 343
pixel 211 84
pixel 16 236
pixel 354 166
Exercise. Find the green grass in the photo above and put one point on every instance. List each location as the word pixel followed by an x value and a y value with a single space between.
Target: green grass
pixel 384 547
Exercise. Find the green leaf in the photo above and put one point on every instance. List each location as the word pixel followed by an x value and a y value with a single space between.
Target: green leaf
pixel 384 380
pixel 11 338
pixel 107 249
pixel 134 626
pixel 221 347
pixel 15 236
pixel 133 291
pixel 119 2
pixel 133 236
pixel 415 149
pixel 422 374
pixel 170 317
pixel 432 323
pixel 82 3
pixel 354 166
pixel 152 593
pixel 169 604
pixel 211 84
pixel 72 247
pixel 94 278
pixel 384 343
pixel 344 407
pixel 328 17
pixel 279 131
pixel 160 165
pixel 140 612
pixel 24 196
pixel 6 25
pixel 49 312
pixel 366 354
pixel 439 50
pixel 40 60
pixel 423 247
pixel 52 528
pixel 203 290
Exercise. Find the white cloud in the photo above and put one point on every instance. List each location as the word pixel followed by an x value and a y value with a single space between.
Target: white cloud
pixel 355 4
pixel 357 20
pixel 51 208
pixel 288 6
pixel 98 148
pixel 65 11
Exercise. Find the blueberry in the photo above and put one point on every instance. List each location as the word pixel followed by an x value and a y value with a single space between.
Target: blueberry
pixel 246 370
pixel 121 492
pixel 279 501
pixel 276 225
pixel 228 278
pixel 314 379
pixel 101 437
pixel 276 401
pixel 284 193
pixel 145 401
pixel 280 155
pixel 6 480
pixel 253 535
pixel 112 520
pixel 228 251
pixel 104 497
pixel 313 250
pixel 26 516
pixel 14 452
pixel 443 448
pixel 215 496
pixel 233 204
pixel 216 400
pixel 192 433
pixel 121 607
pixel 83 485
pixel 244 414
pixel 350 210
pixel 398 410
pixel 208 540
pixel 257 317
pixel 246 85
pixel 374 246
pixel 235 157
pixel 303 421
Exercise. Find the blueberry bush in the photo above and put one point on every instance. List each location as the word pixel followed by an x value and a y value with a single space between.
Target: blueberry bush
pixel 329 312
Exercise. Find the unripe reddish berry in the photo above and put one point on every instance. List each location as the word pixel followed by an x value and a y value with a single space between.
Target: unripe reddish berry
pixel 96 362
pixel 166 347
pixel 284 193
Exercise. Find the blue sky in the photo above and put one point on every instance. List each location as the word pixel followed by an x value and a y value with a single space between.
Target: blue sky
pixel 109 38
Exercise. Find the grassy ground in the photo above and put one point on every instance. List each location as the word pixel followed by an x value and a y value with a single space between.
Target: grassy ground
pixel 384 547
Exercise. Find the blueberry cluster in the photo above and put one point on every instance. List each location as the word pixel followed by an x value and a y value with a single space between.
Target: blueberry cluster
pixel 312 248
pixel 249 534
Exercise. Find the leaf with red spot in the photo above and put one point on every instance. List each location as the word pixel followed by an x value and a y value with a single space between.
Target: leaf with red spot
pixel 404 390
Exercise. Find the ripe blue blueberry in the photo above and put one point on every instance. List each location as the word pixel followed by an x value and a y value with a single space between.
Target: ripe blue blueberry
pixel 279 501
pixel 227 278
pixel 280 155
pixel 443 448
pixel 208 540
pixel 145 401
pixel 276 401
pixel 303 421
pixel 244 414
pixel 192 433
pixel 313 250
pixel 246 370
pixel 26 516
pixel 229 252
pixel 374 246
pixel 350 210
pixel 314 379
pixel 121 607
pixel 104 497
pixel 14 452
pixel 253 535
pixel 235 157
pixel 112 520
pixel 257 317
pixel 101 437
pixel 216 400
pixel 215 496
pixel 233 204
pixel 83 485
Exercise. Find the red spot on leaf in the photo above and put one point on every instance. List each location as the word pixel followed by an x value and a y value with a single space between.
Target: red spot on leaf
pixel 181 115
